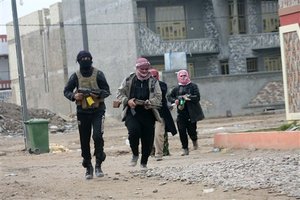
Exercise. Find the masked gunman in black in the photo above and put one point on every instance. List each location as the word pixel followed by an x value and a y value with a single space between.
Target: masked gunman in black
pixel 88 88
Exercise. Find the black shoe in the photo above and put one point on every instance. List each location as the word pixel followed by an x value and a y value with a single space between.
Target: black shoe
pixel 133 161
pixel 195 144
pixel 89 172
pixel 144 167
pixel 185 152
pixel 98 171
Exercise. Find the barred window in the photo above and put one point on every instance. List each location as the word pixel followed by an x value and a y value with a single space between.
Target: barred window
pixel 273 63
pixel 170 22
pixel 252 65
pixel 224 67
pixel 237 18
pixel 269 9
pixel 158 67
pixel 142 16
pixel 191 69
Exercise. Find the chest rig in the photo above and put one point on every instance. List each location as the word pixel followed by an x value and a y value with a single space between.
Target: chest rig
pixel 89 83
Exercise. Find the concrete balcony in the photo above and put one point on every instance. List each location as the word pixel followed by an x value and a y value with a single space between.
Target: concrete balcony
pixel 264 40
pixel 150 44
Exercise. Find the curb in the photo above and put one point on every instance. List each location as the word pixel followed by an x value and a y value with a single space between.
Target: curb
pixel 283 140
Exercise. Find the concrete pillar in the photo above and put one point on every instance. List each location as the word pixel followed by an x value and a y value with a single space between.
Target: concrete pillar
pixel 289 13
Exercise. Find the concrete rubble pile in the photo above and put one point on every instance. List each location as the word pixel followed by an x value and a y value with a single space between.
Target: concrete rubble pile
pixel 11 119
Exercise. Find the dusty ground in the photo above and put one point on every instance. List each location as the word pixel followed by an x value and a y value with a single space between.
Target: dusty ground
pixel 59 174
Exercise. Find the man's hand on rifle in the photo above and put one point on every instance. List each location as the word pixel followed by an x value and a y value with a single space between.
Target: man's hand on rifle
pixel 78 96
pixel 186 97
pixel 147 104
pixel 94 95
pixel 131 103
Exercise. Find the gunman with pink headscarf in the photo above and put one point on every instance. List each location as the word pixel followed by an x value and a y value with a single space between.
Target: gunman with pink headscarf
pixel 161 145
pixel 140 119
pixel 186 97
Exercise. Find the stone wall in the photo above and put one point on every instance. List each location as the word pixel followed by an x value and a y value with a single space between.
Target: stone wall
pixel 288 3
pixel 242 46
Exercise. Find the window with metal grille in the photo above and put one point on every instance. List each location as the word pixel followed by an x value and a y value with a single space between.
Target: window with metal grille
pixel 273 63
pixel 237 18
pixel 191 69
pixel 158 67
pixel 269 9
pixel 252 65
pixel 224 67
pixel 170 22
pixel 142 16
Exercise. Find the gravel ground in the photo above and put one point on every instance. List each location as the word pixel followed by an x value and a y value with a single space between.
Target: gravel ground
pixel 235 171
pixel 272 169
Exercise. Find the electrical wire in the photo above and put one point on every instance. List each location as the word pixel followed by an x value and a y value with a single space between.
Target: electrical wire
pixel 139 22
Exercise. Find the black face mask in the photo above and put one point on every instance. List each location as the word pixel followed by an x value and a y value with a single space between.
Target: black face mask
pixel 85 64
pixel 85 67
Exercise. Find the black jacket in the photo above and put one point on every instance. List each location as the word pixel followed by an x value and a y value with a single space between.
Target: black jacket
pixel 192 110
pixel 165 112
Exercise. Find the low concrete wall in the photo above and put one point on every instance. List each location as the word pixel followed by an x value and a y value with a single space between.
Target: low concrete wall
pixel 259 140
pixel 237 94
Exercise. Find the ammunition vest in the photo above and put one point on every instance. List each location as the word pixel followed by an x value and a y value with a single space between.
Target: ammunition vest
pixel 90 83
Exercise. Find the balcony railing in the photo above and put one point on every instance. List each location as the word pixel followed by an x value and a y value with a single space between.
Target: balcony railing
pixel 5 84
pixel 152 45
pixel 264 40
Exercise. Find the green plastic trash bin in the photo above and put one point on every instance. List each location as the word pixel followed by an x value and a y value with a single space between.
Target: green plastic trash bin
pixel 37 136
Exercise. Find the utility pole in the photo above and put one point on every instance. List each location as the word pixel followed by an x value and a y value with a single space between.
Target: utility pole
pixel 20 69
pixel 84 26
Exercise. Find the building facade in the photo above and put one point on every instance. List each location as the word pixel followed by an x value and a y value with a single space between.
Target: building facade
pixel 5 88
pixel 230 47
pixel 289 12
pixel 232 50
pixel 4 67
pixel 43 57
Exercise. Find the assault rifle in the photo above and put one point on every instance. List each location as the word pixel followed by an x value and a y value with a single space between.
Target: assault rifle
pixel 87 92
pixel 144 103
pixel 182 100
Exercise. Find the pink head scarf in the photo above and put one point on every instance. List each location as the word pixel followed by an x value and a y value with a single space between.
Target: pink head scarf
pixel 154 73
pixel 142 69
pixel 183 77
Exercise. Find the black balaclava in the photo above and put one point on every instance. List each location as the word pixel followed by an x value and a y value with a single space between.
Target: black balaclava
pixel 85 65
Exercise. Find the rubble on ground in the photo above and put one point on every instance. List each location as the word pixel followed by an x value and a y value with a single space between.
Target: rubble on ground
pixel 11 122
pixel 276 171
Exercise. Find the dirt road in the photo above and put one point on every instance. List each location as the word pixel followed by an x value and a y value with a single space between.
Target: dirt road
pixel 59 175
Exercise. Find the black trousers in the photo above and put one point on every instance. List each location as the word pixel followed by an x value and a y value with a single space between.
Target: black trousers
pixel 186 128
pixel 86 124
pixel 140 128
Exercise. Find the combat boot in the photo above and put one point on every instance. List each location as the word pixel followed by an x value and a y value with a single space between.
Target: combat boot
pixel 89 172
pixel 133 161
pixel 98 170
pixel 185 152
pixel 195 144
pixel 89 169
